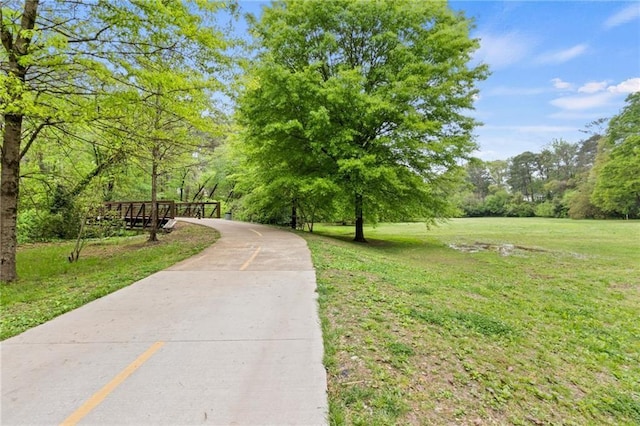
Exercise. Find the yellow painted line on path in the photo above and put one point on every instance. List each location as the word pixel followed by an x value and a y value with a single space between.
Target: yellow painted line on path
pixel 99 396
pixel 253 230
pixel 248 262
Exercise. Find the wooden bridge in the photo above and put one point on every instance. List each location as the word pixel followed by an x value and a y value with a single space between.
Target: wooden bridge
pixel 138 214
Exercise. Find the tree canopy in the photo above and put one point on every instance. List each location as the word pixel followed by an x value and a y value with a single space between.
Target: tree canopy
pixel 76 71
pixel 362 99
pixel 617 187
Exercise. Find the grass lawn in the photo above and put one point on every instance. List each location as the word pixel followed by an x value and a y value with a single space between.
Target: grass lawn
pixel 49 285
pixel 529 321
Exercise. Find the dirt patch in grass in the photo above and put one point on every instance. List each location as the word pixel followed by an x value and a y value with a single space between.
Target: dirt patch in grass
pixel 502 249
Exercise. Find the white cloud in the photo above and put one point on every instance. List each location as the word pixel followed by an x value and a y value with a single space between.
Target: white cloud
pixel 515 91
pixel 627 14
pixel 593 95
pixel 583 102
pixel 544 129
pixel 562 55
pixel 583 116
pixel 593 87
pixel 631 85
pixel 500 51
pixel 562 85
pixel 533 129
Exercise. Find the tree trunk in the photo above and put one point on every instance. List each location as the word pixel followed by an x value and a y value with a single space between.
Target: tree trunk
pixel 9 196
pixel 294 215
pixel 359 220
pixel 153 231
pixel 12 139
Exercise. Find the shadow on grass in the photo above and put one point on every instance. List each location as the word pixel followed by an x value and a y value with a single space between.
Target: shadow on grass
pixel 398 243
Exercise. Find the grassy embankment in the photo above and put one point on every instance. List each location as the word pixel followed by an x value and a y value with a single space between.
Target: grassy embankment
pixel 545 330
pixel 49 285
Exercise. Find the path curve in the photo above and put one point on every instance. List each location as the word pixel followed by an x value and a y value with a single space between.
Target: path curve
pixel 230 336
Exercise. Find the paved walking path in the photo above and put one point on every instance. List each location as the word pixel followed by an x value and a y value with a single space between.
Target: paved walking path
pixel 228 337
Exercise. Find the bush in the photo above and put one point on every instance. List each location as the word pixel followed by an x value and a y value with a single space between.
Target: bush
pixel 519 208
pixel 35 226
pixel 494 204
pixel 546 209
pixel 26 226
pixel 472 207
pixel 580 205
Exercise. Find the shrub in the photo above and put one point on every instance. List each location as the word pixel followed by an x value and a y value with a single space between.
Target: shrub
pixel 546 209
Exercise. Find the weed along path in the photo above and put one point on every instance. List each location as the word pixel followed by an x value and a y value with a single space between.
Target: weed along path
pixel 228 337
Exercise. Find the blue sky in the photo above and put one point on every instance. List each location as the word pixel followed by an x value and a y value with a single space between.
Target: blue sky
pixel 556 67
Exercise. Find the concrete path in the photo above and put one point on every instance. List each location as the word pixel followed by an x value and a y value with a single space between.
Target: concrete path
pixel 228 337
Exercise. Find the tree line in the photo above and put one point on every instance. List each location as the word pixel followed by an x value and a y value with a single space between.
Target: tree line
pixel 596 178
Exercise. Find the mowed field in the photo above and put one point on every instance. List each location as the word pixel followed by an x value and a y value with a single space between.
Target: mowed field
pixel 482 321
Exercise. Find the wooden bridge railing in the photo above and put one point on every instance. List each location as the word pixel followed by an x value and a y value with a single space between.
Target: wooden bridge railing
pixel 198 209
pixel 137 214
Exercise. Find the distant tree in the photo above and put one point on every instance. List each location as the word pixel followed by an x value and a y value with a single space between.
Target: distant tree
pixel 617 187
pixel 579 202
pixel 587 151
pixel 545 163
pixel 576 199
pixel 523 169
pixel 479 178
pixel 368 95
pixel 498 171
pixel 564 158
pixel 495 204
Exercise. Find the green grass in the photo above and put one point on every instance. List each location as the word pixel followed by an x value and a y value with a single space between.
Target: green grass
pixel 49 285
pixel 546 332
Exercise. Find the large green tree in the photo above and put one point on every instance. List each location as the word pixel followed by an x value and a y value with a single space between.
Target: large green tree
pixel 370 96
pixel 617 186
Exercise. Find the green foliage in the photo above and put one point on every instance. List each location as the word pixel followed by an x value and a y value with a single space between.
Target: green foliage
pixel 546 209
pixel 495 204
pixel 117 90
pixel 333 109
pixel 617 187
pixel 556 182
pixel 498 203
pixel 580 205
pixel 522 175
pixel 27 225
pixel 597 178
